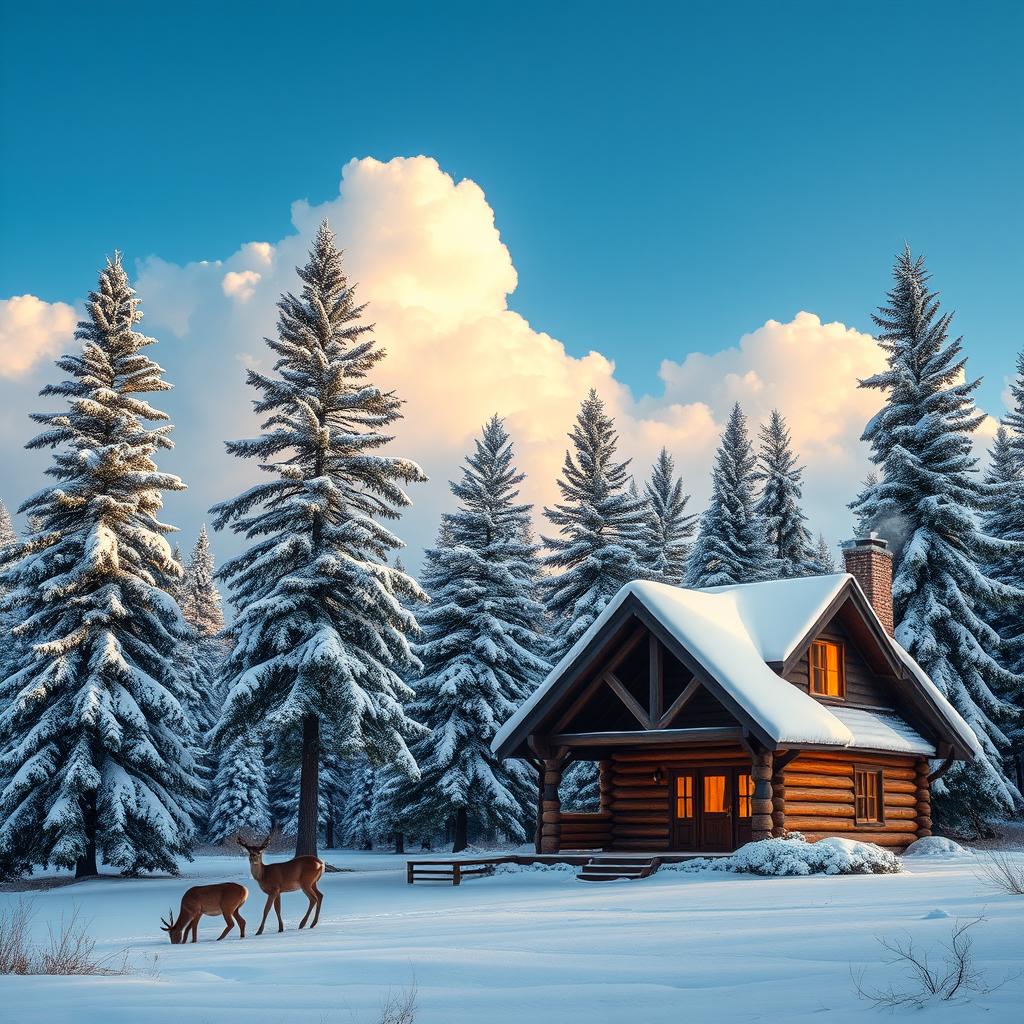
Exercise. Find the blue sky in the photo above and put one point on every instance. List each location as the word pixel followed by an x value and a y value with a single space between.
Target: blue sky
pixel 666 177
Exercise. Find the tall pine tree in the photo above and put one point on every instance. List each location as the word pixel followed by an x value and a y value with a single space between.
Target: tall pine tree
pixel 240 806
pixel 779 505
pixel 669 526
pixel 96 718
pixel 599 546
pixel 482 653
pixel 732 546
pixel 198 595
pixel 7 534
pixel 321 633
pixel 930 492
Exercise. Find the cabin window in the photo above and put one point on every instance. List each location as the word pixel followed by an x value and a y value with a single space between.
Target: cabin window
pixel 746 791
pixel 714 794
pixel 828 678
pixel 869 803
pixel 684 796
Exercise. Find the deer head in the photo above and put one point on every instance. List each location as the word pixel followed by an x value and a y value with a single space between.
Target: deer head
pixel 174 931
pixel 255 852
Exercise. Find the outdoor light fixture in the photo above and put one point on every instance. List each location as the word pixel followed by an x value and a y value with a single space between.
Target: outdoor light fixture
pixel 657 776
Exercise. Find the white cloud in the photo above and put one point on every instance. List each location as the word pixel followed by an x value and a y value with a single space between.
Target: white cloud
pixel 32 330
pixel 426 255
pixel 240 284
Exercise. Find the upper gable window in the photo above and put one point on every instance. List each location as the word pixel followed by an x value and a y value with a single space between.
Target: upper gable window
pixel 828 678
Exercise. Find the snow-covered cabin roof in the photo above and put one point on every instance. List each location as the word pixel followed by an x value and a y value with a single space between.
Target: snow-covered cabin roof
pixel 735 633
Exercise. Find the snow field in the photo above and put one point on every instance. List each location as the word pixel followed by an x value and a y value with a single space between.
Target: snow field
pixel 538 946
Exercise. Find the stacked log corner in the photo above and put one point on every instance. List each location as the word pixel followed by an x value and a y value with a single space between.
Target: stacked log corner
pixel 819 799
pixel 778 803
pixel 924 800
pixel 762 806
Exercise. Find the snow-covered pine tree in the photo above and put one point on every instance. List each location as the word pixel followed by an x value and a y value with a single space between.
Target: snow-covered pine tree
pixel 95 719
pixel 779 505
pixel 482 653
pixel 599 546
pixel 198 595
pixel 240 804
pixel 321 633
pixel 732 545
pixel 1004 521
pixel 669 526
pixel 823 563
pixel 861 506
pixel 7 532
pixel 1014 419
pixel 358 828
pixel 930 486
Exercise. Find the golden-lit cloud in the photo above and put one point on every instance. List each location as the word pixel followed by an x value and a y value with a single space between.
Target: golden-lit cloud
pixel 427 257
pixel 32 330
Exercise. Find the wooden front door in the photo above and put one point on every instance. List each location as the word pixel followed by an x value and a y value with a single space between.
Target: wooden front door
pixel 716 813
pixel 711 809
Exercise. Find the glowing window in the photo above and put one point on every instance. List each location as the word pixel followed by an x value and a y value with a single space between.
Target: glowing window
pixel 868 792
pixel 714 794
pixel 684 796
pixel 746 791
pixel 827 670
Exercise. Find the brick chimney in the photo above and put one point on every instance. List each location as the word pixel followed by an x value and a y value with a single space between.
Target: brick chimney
pixel 869 562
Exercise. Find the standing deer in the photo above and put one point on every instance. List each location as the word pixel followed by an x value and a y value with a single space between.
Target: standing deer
pixel 211 900
pixel 298 873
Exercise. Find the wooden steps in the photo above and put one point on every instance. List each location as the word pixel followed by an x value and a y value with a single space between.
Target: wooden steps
pixel 610 869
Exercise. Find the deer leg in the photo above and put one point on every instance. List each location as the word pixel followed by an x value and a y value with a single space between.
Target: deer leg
pixel 241 924
pixel 266 911
pixel 309 909
pixel 319 903
pixel 277 909
pixel 230 922
pixel 195 927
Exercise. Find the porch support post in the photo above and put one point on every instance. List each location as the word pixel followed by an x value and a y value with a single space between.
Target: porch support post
pixel 761 805
pixel 924 800
pixel 551 806
pixel 604 770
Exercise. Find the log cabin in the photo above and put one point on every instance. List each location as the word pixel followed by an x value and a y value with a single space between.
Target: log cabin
pixel 737 713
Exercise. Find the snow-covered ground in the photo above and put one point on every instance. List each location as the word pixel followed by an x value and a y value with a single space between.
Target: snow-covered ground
pixel 535 946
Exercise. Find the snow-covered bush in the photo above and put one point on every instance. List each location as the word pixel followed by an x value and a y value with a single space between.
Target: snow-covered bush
pixel 793 856
pixel 935 846
pixel 517 869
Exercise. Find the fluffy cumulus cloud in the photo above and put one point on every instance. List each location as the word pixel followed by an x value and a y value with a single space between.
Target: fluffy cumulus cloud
pixel 429 260
pixel 32 330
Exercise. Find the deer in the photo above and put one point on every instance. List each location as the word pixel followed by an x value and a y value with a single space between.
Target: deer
pixel 288 876
pixel 225 899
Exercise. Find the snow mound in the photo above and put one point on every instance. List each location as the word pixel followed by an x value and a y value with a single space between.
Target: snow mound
pixel 516 869
pixel 794 856
pixel 935 846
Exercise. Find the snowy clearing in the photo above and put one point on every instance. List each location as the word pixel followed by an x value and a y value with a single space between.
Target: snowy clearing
pixel 539 946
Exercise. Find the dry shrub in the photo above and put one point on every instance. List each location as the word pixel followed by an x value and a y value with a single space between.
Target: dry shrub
pixel 1002 871
pixel 399 1007
pixel 925 981
pixel 68 950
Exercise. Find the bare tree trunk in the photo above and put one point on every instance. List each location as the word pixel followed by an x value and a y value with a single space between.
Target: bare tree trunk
pixel 309 785
pixel 399 842
pixel 460 831
pixel 86 865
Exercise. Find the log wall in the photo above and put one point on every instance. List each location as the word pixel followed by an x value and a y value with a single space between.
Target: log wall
pixel 586 831
pixel 640 805
pixel 819 799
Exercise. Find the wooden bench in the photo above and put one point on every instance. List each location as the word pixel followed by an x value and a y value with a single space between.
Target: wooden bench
pixel 453 871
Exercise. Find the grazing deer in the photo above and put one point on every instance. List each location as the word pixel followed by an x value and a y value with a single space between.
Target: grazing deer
pixel 211 900
pixel 298 873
